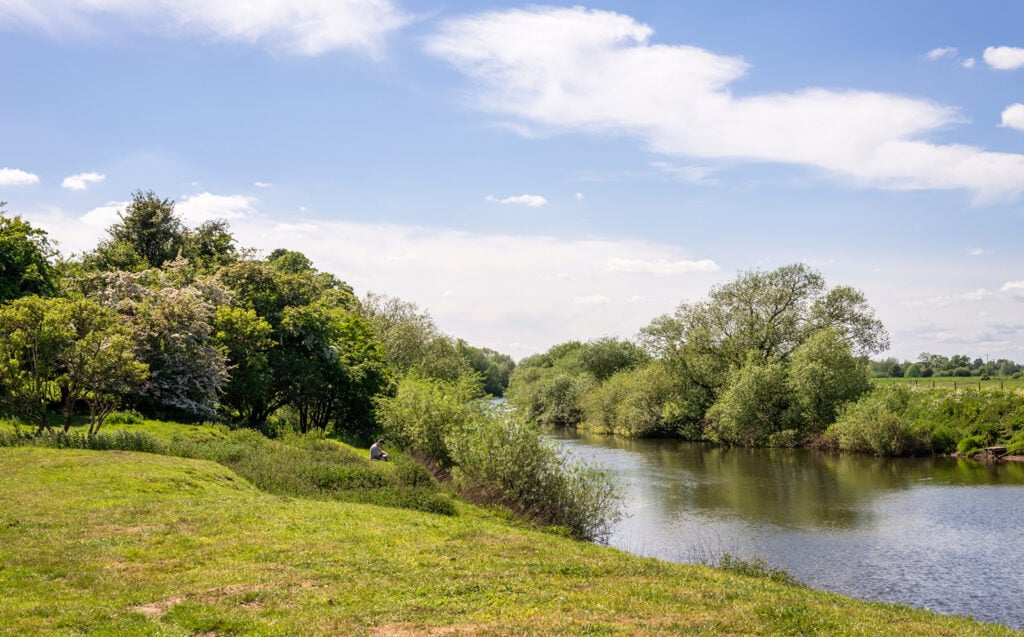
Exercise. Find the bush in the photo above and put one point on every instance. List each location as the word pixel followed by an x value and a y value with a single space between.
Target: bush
pixel 877 423
pixel 124 418
pixel 502 460
pixel 424 411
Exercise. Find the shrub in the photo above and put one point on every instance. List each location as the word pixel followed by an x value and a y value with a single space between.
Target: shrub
pixel 878 423
pixel 424 411
pixel 502 460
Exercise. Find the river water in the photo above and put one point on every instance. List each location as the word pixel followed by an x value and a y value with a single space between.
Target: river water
pixel 935 533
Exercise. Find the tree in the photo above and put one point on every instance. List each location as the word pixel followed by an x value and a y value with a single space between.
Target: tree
pixel 100 367
pixel 25 254
pixel 756 403
pixel 913 371
pixel 412 341
pixel 149 234
pixel 35 332
pixel 60 350
pixel 823 376
pixel 170 315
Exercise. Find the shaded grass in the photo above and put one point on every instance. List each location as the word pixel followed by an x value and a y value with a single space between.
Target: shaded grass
pixel 117 543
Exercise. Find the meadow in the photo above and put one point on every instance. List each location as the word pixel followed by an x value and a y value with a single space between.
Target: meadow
pixel 111 542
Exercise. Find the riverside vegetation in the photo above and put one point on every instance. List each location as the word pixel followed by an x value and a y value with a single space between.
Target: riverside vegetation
pixel 272 521
pixel 770 359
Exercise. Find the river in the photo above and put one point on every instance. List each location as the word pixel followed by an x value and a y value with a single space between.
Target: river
pixel 935 533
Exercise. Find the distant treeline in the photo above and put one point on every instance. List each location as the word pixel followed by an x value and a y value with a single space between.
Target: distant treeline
pixel 929 365
pixel 770 359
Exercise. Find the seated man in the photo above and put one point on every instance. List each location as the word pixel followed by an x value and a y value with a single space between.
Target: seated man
pixel 377 452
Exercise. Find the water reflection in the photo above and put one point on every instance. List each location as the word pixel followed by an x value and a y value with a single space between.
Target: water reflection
pixel 937 533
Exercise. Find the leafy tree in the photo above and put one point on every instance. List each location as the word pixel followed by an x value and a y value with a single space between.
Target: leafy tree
pixel 60 350
pixel 895 371
pixel 913 371
pixel 756 403
pixel 412 341
pixel 494 368
pixel 35 334
pixel 823 376
pixel 25 254
pixel 149 234
pixel 99 366
pixel 170 315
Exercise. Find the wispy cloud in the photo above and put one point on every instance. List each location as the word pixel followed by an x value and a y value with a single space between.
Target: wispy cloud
pixel 942 52
pixel 1004 58
pixel 597 71
pixel 533 201
pixel 81 181
pixel 16 177
pixel 262 184
pixel 1013 117
pixel 303 27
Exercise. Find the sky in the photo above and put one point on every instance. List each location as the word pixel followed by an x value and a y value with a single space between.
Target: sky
pixel 535 173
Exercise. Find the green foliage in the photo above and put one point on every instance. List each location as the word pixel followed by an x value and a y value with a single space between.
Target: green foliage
pixel 424 412
pixel 64 351
pixel 756 403
pixel 500 459
pixel 637 402
pixel 494 368
pixel 25 254
pixel 899 420
pixel 823 375
pixel 412 342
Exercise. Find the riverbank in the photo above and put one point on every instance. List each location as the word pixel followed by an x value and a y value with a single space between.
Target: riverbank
pixel 119 543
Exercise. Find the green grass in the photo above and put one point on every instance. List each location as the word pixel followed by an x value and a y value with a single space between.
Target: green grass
pixel 120 543
pixel 950 382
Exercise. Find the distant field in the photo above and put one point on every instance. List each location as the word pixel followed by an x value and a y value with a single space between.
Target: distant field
pixel 949 382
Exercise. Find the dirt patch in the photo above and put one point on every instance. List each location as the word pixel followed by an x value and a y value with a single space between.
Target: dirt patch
pixel 156 610
pixel 407 630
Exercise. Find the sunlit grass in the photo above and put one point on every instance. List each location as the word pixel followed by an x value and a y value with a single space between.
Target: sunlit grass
pixel 116 543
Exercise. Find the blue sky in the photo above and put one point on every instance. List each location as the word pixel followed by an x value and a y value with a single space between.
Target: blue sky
pixel 535 173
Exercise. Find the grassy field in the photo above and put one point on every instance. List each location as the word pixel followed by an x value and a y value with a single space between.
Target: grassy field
pixel 120 543
pixel 949 383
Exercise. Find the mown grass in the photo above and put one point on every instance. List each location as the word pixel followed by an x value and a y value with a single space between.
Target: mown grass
pixel 120 543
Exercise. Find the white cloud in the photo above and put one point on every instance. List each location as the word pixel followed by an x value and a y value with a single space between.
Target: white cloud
pixel 16 177
pixel 533 201
pixel 304 27
pixel 580 196
pixel 81 181
pixel 262 184
pixel 205 207
pixel 596 71
pixel 104 216
pixel 942 52
pixel 977 252
pixel 1004 58
pixel 1013 117
pixel 661 266
pixel 968 63
pixel 1013 288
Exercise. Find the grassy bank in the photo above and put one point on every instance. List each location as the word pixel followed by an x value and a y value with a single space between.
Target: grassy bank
pixel 120 543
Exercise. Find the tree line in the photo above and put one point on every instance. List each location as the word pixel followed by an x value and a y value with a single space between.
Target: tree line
pixel 772 358
pixel 930 365
pixel 181 323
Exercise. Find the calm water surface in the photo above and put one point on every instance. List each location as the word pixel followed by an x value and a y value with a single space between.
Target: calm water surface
pixel 936 533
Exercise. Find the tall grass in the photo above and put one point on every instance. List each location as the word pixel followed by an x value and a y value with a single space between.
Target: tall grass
pixel 296 466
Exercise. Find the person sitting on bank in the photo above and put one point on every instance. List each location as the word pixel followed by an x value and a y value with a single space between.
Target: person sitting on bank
pixel 377 452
